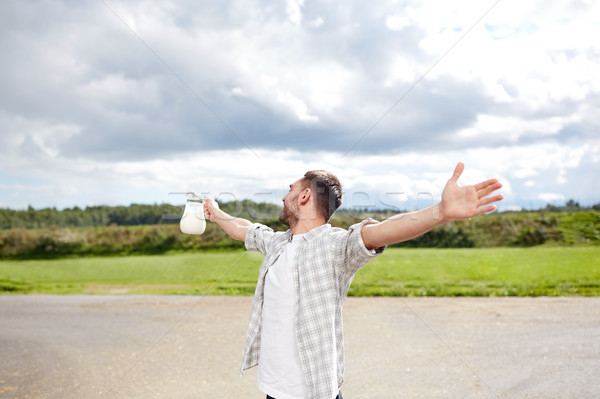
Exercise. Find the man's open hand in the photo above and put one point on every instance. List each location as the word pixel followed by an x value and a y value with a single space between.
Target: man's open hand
pixel 463 202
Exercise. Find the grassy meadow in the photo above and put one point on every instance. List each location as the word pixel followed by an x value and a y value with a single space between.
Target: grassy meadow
pixel 502 271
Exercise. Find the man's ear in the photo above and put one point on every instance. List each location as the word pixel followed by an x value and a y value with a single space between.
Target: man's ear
pixel 305 196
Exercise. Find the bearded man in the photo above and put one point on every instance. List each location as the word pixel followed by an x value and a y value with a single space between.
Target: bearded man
pixel 295 330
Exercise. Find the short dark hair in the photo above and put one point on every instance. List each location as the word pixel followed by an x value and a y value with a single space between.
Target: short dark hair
pixel 328 190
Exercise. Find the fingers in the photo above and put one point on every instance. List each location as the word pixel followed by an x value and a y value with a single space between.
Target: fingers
pixel 486 188
pixel 457 171
pixel 487 183
pixel 489 200
pixel 210 203
pixel 207 213
pixel 210 206
pixel 486 209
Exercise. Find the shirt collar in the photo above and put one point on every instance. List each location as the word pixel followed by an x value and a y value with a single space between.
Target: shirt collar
pixel 315 232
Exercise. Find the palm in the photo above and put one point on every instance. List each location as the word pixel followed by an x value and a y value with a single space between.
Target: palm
pixel 463 202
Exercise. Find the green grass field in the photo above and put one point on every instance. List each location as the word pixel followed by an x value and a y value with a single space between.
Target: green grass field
pixel 538 271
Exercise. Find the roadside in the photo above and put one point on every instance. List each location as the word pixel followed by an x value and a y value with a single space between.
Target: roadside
pixel 190 347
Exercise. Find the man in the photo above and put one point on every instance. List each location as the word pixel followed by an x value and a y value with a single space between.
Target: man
pixel 295 330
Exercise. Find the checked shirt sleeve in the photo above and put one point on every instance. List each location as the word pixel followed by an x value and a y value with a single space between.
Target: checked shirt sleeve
pixel 258 238
pixel 357 254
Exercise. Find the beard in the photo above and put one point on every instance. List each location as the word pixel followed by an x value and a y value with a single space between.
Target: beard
pixel 289 214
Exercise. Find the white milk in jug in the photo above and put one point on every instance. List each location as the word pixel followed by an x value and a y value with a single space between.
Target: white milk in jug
pixel 193 221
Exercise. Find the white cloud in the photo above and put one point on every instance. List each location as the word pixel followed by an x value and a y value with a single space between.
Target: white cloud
pixel 512 128
pixel 317 22
pixel 294 10
pixel 551 197
pixel 119 92
pixel 297 106
pixel 21 135
pixel 399 22
pixel 541 53
pixel 238 91
pixel 523 173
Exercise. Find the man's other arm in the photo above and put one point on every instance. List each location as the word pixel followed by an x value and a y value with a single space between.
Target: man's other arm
pixel 235 228
pixel 458 202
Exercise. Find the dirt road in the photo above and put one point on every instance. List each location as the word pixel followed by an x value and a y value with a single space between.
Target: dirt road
pixel 190 347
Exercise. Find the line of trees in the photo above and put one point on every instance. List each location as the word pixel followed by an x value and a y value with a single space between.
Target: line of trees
pixel 138 214
pixel 521 229
pixel 132 215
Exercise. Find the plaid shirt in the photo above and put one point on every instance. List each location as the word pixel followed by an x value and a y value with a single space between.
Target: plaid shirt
pixel 326 261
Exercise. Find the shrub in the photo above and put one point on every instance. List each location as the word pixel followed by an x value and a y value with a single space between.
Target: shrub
pixel 529 237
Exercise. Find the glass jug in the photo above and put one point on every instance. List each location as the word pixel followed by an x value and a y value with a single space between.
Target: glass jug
pixel 193 221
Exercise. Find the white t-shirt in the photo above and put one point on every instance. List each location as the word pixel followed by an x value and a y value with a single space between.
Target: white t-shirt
pixel 279 369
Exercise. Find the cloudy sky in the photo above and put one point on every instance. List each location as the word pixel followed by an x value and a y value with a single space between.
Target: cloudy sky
pixel 115 102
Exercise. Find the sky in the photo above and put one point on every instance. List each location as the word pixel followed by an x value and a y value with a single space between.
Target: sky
pixel 114 102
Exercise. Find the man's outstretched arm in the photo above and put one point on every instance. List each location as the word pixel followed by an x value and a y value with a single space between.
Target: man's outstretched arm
pixel 458 202
pixel 236 228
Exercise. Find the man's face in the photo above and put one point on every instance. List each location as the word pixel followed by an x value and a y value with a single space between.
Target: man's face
pixel 289 214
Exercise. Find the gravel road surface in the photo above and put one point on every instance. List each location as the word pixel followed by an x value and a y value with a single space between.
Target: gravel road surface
pixel 190 347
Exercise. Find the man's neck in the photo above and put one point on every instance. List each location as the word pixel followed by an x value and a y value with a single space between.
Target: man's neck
pixel 305 225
